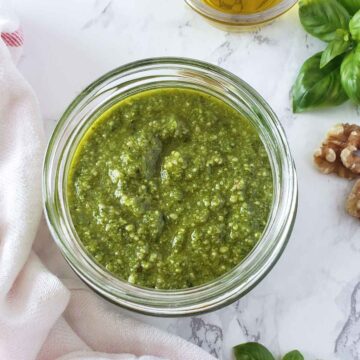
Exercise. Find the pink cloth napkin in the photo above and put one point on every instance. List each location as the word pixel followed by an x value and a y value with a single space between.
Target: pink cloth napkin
pixel 40 317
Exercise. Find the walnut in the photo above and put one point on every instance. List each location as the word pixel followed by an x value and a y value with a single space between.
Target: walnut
pixel 350 156
pixel 338 153
pixel 353 201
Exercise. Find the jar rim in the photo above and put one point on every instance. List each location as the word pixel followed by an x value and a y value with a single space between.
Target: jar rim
pixel 220 291
pixel 240 19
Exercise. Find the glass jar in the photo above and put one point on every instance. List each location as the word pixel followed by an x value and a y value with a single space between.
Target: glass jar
pixel 157 73
pixel 239 22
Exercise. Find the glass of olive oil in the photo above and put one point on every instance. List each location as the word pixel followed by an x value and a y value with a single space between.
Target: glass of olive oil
pixel 242 6
pixel 240 14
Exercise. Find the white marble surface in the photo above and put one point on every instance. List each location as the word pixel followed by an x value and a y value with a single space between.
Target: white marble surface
pixel 311 299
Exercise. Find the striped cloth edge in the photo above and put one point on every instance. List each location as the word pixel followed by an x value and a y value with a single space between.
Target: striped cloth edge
pixel 13 39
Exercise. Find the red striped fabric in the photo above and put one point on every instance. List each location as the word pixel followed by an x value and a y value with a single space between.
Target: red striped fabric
pixel 13 39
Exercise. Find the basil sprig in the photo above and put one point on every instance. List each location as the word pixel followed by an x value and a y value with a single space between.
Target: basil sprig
pixel 252 351
pixel 318 87
pixel 352 6
pixel 256 351
pixel 331 77
pixel 293 355
pixel 321 18
pixel 340 45
pixel 354 26
pixel 350 75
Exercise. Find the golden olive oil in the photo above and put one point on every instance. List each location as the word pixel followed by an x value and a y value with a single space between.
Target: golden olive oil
pixel 242 6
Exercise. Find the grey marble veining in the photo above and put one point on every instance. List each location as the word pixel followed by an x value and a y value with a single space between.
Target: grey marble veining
pixel 311 299
pixel 205 334
pixel 103 16
pixel 347 345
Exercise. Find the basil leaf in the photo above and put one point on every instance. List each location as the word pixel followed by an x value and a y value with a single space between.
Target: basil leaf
pixel 352 6
pixel 350 75
pixel 354 26
pixel 252 351
pixel 315 87
pixel 293 355
pixel 336 47
pixel 321 18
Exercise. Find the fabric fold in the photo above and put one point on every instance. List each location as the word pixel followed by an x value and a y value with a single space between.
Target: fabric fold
pixel 40 318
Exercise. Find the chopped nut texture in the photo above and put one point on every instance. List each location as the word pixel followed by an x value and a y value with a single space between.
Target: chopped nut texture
pixel 353 201
pixel 338 153
pixel 350 156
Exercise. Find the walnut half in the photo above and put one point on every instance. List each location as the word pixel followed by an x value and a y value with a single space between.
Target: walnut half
pixel 350 156
pixel 353 201
pixel 339 152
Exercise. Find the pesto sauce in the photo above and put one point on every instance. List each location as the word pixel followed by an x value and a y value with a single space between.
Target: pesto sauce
pixel 170 188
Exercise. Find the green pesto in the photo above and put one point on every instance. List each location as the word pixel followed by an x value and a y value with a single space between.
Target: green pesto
pixel 170 188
